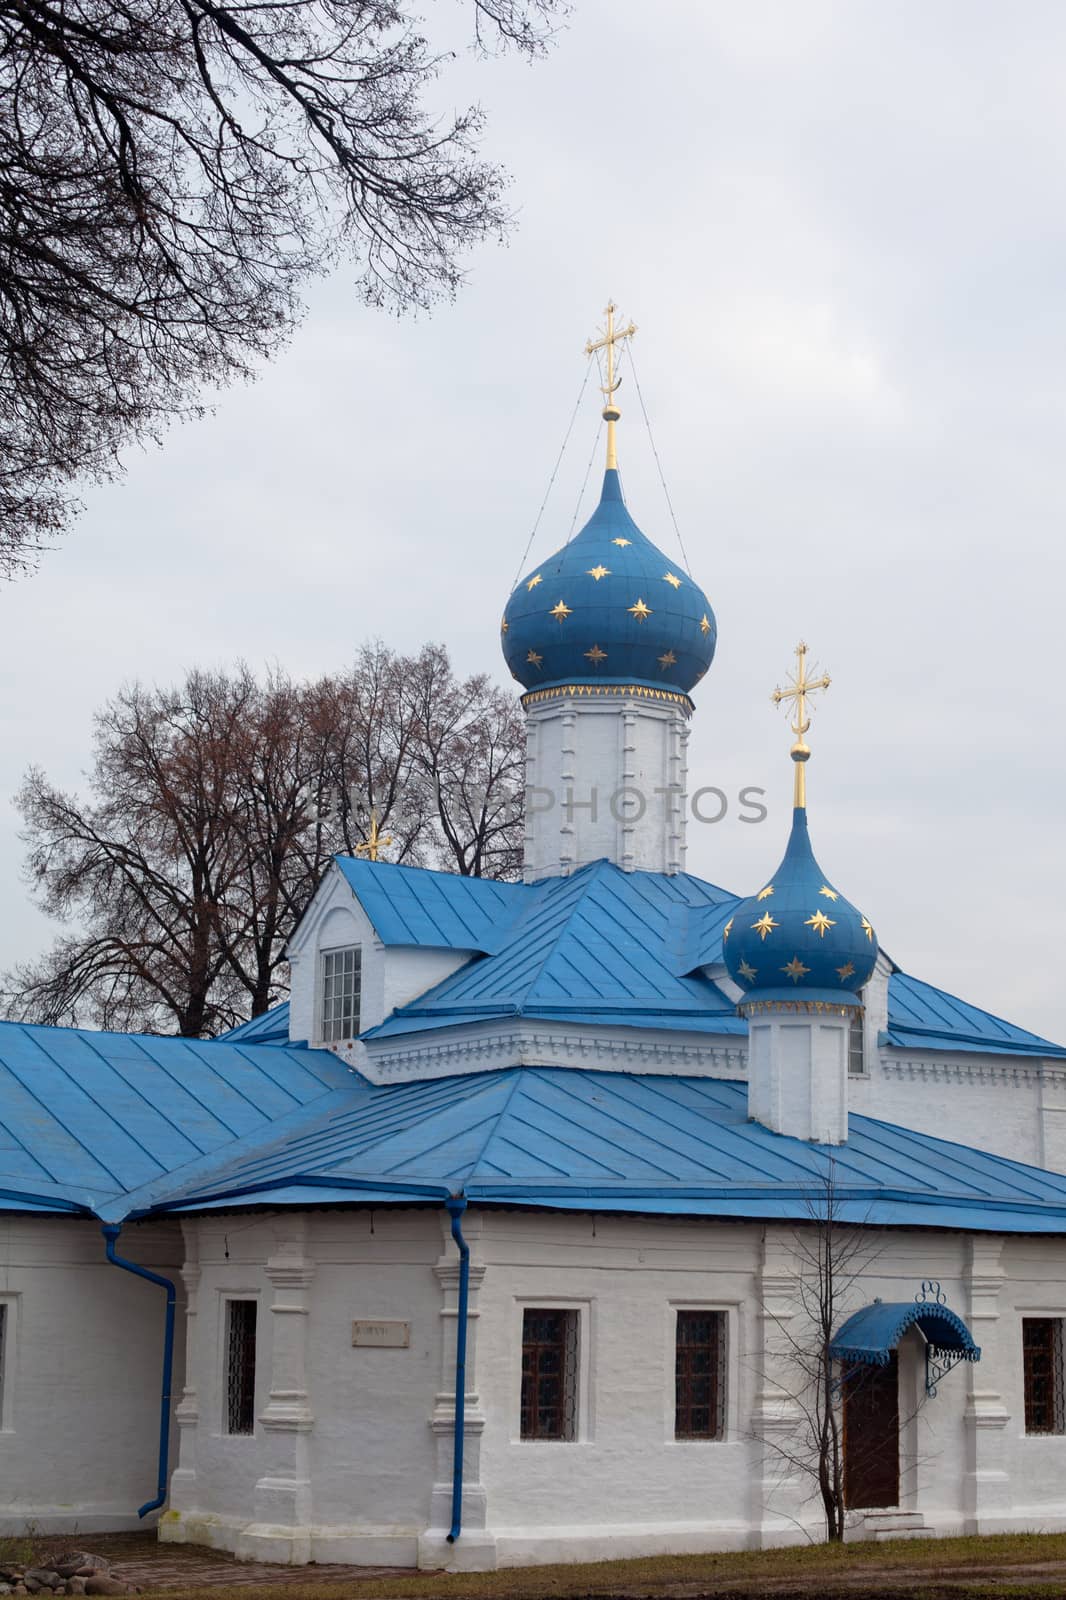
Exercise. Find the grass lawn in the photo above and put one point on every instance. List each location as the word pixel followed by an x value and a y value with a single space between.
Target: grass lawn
pixel 1017 1565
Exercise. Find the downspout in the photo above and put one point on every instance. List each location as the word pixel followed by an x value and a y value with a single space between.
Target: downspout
pixel 111 1231
pixel 456 1206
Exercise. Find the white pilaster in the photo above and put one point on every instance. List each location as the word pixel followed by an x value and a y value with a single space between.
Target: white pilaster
pixel 798 1073
pixel 605 777
pixel 183 1488
pixel 779 1491
pixel 281 1530
pixel 987 1489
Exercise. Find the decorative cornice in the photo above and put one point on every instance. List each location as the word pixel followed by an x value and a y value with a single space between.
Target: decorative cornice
pixel 601 691
pixel 1011 1070
pixel 834 1008
pixel 538 1045
pixel 533 1042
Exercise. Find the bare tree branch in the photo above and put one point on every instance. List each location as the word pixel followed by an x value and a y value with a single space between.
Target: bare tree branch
pixel 172 171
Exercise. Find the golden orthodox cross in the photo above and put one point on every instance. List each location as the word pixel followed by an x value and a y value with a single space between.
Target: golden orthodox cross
pixel 611 336
pixel 800 687
pixel 374 841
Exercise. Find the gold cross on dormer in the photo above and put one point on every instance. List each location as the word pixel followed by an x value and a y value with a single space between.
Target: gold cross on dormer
pixel 607 341
pixel 374 840
pixel 800 686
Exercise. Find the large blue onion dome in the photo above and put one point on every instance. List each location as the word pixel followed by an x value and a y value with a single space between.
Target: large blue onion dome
pixel 609 608
pixel 799 939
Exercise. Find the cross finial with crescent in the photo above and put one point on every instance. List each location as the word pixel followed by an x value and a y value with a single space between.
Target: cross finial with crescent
pixel 610 337
pixel 800 685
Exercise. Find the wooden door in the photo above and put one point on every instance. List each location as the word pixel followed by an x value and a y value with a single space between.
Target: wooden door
pixel 871 1436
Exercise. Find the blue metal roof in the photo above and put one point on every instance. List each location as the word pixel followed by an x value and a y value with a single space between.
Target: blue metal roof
pixel 870 1335
pixel 86 1117
pixel 600 946
pixel 572 1139
pixel 921 1016
pixel 413 905
pixel 270 1028
pixel 628 948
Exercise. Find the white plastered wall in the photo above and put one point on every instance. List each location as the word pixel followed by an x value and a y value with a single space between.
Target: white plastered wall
pixel 358 1451
pixel 79 1427
pixel 342 1462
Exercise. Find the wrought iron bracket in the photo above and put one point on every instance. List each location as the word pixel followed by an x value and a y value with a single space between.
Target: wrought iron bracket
pixel 938 1363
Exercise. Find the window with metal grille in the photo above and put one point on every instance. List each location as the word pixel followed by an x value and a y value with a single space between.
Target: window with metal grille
pixel 856 1045
pixel 699 1368
pixel 341 975
pixel 240 1366
pixel 1042 1363
pixel 549 1374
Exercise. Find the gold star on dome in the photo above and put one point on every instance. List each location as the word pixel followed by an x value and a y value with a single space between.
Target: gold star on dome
pixel 560 612
pixel 535 660
pixel 725 930
pixel 504 625
pixel 795 969
pixel 746 972
pixel 764 894
pixel 532 584
pixel 829 893
pixel 668 660
pixel 820 923
pixel 765 925
pixel 866 928
pixel 671 578
pixel 640 611
pixel 705 623
pixel 621 542
pixel 595 655
pixel 846 971
pixel 599 572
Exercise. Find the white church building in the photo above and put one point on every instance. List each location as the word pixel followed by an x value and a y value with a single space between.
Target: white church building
pixel 491 1246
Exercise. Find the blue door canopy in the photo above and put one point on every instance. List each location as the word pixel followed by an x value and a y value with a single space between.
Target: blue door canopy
pixel 870 1335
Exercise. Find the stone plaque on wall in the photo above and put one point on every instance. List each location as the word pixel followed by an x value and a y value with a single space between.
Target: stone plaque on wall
pixel 382 1335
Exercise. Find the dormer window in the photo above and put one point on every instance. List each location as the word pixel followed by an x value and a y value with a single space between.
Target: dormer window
pixel 341 978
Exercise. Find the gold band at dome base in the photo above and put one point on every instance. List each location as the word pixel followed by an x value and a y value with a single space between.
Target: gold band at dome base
pixel 809 1008
pixel 592 691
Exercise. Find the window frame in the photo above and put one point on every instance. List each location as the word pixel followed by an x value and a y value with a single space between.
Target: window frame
pixel 322 999
pixel 8 1345
pixel 857 1031
pixel 720 1343
pixel 582 1308
pixel 229 1299
pixel 738 1335
pixel 1058 1381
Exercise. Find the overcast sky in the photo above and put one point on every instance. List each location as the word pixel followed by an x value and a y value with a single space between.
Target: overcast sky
pixel 840 229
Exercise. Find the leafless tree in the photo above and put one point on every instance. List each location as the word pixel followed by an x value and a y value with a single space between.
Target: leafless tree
pixel 829 1260
pixel 214 811
pixel 171 172
pixel 471 754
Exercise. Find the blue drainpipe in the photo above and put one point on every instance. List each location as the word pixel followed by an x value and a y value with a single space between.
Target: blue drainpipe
pixel 111 1231
pixel 456 1206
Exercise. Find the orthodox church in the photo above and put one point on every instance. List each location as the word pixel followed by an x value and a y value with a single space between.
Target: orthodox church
pixel 493 1246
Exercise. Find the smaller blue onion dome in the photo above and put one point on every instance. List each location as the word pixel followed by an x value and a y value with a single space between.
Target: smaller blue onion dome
pixel 798 939
pixel 609 608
